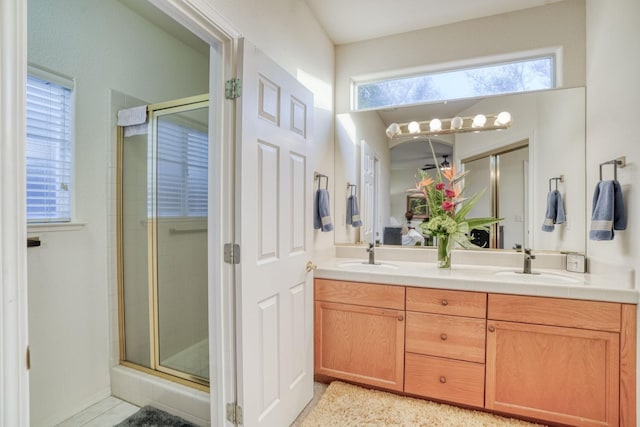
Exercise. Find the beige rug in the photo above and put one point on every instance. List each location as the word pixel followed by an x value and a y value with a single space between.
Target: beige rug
pixel 345 405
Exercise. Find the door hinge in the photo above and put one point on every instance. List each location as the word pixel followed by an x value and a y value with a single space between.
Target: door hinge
pixel 28 358
pixel 232 89
pixel 232 253
pixel 234 413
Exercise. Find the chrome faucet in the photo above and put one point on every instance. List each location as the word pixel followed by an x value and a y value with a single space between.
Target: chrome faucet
pixel 527 261
pixel 371 250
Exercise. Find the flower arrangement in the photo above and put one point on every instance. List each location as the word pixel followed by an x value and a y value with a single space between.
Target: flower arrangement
pixel 448 210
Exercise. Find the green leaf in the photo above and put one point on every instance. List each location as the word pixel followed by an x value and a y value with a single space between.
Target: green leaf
pixel 481 223
pixel 466 206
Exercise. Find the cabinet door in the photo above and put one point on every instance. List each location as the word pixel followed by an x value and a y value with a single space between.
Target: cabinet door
pixel 552 373
pixel 360 344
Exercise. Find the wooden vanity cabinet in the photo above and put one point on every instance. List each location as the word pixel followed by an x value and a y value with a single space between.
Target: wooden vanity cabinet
pixel 554 360
pixel 359 332
pixel 445 345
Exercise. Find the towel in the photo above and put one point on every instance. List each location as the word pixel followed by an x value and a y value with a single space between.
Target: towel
pixel 353 212
pixel 132 116
pixel 321 211
pixel 555 211
pixel 608 211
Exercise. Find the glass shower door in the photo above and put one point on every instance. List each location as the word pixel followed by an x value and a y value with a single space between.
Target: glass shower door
pixel 179 211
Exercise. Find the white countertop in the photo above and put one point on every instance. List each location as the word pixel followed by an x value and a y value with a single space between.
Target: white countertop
pixel 550 283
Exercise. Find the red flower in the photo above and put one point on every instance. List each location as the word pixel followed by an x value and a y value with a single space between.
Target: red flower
pixel 448 206
pixel 450 194
pixel 440 186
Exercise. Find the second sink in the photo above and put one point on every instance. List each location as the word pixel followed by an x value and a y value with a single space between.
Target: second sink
pixel 365 266
pixel 537 277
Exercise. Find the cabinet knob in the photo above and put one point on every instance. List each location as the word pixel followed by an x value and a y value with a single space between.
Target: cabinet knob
pixel 445 302
pixel 443 337
pixel 443 379
pixel 400 318
pixel 492 328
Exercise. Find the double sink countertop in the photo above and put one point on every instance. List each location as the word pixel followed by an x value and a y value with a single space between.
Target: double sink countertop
pixel 480 276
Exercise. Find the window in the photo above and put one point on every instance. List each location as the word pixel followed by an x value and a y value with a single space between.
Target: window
pixel 48 151
pixel 182 170
pixel 506 77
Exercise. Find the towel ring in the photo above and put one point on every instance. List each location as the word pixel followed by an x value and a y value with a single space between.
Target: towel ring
pixel 619 162
pixel 352 188
pixel 319 177
pixel 556 179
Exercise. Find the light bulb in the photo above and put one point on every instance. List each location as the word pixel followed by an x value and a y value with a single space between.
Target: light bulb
pixel 393 130
pixel 435 125
pixel 414 127
pixel 503 118
pixel 456 123
pixel 479 121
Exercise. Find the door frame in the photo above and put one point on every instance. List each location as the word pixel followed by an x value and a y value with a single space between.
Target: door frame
pixel 203 20
pixel 14 331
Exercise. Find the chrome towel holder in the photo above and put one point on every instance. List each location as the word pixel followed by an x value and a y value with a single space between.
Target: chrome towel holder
pixel 556 179
pixel 620 162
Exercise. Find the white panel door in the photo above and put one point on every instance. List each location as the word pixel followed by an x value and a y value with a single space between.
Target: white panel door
pixel 275 304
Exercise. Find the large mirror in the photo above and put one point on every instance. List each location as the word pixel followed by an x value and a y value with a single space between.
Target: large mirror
pixel 546 140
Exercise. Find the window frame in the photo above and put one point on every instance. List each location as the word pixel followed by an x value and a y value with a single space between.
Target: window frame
pixel 70 84
pixel 555 53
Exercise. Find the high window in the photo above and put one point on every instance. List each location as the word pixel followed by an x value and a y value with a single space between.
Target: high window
pixel 49 150
pixel 494 79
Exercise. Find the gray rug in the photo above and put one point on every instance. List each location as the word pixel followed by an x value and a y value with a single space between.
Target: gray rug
pixel 149 416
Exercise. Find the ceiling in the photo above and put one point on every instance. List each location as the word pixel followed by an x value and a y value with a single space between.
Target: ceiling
pixel 347 21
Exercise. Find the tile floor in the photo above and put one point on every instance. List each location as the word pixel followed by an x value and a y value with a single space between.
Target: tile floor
pixel 106 413
pixel 110 411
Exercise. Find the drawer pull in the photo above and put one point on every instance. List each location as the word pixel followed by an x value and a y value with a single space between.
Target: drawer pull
pixel 443 380
pixel 445 302
pixel 400 318
pixel 492 328
pixel 443 337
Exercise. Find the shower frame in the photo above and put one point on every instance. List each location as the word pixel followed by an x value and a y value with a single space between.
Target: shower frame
pixel 156 369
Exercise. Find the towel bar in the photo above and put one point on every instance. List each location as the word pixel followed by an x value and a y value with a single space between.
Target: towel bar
pixel 352 188
pixel 319 177
pixel 619 162
pixel 556 179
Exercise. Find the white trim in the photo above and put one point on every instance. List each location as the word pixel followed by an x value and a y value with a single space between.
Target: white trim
pixel 50 76
pixel 14 376
pixel 203 20
pixel 55 226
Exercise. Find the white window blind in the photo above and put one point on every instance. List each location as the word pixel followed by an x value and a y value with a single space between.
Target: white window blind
pixel 182 170
pixel 48 151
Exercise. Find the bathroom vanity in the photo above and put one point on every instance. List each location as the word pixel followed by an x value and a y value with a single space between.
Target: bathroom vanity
pixel 559 348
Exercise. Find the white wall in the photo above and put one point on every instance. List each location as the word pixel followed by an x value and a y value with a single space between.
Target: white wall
pixel 613 86
pixel 555 25
pixel 351 129
pixel 103 46
pixel 554 137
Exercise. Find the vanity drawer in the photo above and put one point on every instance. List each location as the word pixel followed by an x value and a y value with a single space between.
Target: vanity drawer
pixel 444 379
pixel 601 316
pixel 440 301
pixel 368 294
pixel 454 337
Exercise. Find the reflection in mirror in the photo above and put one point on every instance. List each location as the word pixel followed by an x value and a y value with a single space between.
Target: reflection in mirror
pixel 552 123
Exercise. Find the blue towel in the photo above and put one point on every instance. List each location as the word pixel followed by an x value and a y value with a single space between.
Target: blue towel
pixel 321 211
pixel 353 212
pixel 555 211
pixel 608 211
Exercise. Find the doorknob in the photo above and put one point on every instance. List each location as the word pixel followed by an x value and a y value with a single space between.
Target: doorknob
pixel 311 266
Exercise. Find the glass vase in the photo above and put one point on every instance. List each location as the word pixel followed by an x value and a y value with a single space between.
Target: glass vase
pixel 444 252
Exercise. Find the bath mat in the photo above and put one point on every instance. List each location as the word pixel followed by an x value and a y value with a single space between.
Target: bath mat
pixel 149 416
pixel 344 405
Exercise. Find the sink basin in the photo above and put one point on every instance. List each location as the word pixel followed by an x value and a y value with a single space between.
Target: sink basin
pixel 365 266
pixel 537 277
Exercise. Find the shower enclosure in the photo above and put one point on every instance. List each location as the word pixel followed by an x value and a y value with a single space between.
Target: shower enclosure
pixel 162 243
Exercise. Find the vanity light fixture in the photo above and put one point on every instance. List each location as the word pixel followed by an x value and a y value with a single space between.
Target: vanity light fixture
pixel 435 126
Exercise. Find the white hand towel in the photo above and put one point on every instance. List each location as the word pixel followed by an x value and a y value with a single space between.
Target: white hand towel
pixel 132 116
